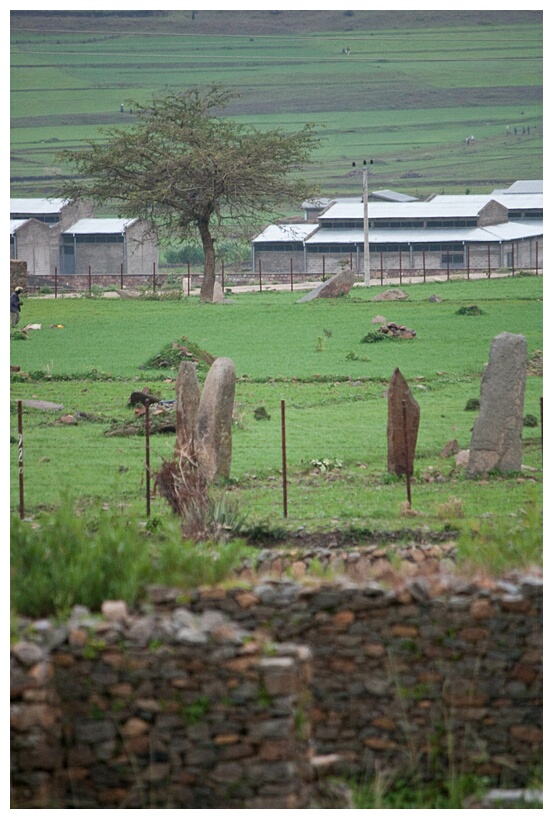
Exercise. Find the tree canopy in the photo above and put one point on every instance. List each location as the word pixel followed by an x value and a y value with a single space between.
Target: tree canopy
pixel 185 168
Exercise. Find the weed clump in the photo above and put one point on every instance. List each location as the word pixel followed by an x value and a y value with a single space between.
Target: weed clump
pixel 473 310
pixel 171 356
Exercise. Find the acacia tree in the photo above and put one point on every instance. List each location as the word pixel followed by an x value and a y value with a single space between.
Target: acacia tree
pixel 185 168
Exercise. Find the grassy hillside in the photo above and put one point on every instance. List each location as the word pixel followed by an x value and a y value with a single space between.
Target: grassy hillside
pixel 412 87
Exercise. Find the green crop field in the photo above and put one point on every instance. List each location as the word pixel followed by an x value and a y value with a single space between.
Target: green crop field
pixel 312 357
pixel 411 89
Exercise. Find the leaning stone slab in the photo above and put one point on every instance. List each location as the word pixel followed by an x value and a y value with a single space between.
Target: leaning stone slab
pixel 401 456
pixel 214 426
pixel 338 285
pixel 496 441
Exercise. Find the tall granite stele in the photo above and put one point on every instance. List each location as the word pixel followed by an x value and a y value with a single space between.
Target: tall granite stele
pixel 496 441
pixel 204 419
pixel 401 452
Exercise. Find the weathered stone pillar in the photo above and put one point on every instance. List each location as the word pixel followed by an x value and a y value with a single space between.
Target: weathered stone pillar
pixel 398 454
pixel 187 401
pixel 214 426
pixel 497 433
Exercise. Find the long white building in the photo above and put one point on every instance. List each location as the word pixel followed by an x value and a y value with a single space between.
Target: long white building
pixel 484 232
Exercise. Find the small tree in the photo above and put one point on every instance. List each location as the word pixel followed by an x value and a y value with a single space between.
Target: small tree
pixel 185 168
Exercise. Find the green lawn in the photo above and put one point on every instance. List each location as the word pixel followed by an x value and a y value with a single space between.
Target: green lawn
pixel 284 351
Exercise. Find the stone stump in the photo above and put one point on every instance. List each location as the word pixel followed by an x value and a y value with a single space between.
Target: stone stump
pixel 214 425
pixel 496 441
pixel 339 285
pixel 399 456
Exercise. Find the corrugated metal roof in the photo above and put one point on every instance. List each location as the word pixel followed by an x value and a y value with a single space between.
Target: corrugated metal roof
pixel 509 231
pixel 394 196
pixel 512 201
pixel 15 224
pixel 526 186
pixel 37 206
pixel 446 206
pixel 296 232
pixel 103 226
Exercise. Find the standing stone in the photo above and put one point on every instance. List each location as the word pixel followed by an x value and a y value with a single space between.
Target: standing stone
pixel 187 401
pixel 214 426
pixel 398 392
pixel 218 295
pixel 497 433
pixel 338 285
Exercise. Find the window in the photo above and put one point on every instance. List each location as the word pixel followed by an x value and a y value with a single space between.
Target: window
pixel 453 260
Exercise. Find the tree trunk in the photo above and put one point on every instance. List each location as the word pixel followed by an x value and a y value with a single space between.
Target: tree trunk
pixel 208 281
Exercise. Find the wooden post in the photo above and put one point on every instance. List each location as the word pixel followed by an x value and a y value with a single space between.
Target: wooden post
pixel 89 281
pixel 424 266
pixel 147 429
pixel 188 278
pixel 154 278
pixel 291 274
pixel 260 285
pixel 381 268
pixel 323 267
pixel 489 262
pixel 121 275
pixel 223 274
pixel 55 282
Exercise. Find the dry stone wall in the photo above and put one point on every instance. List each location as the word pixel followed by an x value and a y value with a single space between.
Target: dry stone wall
pixel 233 698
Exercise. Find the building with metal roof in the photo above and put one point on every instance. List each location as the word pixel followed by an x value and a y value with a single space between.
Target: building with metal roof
pixel 62 236
pixel 503 229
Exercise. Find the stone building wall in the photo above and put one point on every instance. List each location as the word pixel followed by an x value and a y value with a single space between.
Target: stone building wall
pixel 228 700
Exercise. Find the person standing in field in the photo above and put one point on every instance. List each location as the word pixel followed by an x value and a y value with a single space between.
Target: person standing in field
pixel 15 306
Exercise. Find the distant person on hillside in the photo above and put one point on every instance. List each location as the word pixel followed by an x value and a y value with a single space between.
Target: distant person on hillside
pixel 15 306
pixel 121 107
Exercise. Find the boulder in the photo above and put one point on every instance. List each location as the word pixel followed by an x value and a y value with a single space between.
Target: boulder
pixel 394 294
pixel 338 285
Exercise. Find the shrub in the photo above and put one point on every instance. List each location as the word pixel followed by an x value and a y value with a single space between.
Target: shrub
pixel 66 559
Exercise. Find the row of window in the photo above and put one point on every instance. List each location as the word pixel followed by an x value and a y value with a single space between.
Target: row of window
pixel 93 238
pixel 357 224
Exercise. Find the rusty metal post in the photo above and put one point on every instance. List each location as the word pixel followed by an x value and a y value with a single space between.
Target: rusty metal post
pixel 260 285
pixel 541 420
pixel 407 464
pixel 122 283
pixel 188 278
pixel 154 278
pixel 284 480
pixel 323 267
pixel 424 266
pixel 55 282
pixel 20 453
pixel 223 274
pixel 147 429
pixel 89 281
pixel 291 274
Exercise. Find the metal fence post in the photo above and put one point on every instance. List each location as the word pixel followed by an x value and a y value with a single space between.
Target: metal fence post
pixel 20 455
pixel 284 481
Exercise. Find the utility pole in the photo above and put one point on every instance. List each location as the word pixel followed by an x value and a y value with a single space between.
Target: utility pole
pixel 366 261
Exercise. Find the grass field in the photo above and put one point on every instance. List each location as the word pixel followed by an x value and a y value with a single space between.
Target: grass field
pixel 411 89
pixel 311 357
